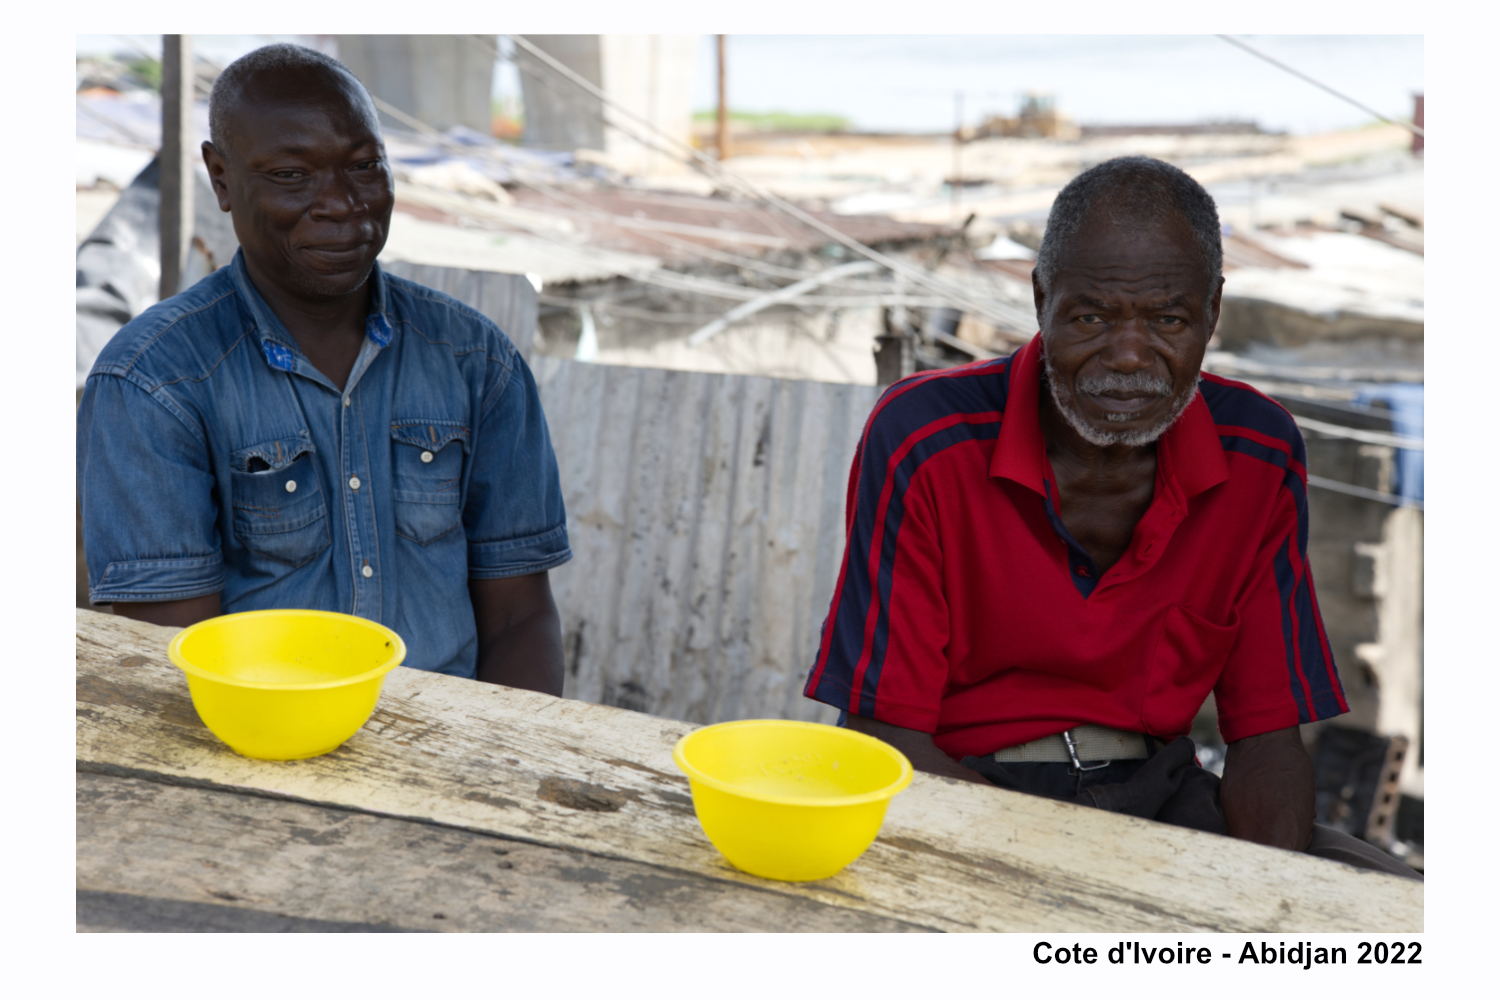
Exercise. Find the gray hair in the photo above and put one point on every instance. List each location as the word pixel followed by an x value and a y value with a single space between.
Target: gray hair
pixel 1132 189
pixel 280 56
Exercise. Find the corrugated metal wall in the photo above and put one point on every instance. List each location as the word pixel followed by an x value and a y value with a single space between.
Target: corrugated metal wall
pixel 706 514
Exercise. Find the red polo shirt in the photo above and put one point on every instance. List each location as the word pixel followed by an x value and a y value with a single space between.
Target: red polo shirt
pixel 965 609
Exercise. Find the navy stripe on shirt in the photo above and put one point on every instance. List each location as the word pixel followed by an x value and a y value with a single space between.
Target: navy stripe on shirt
pixel 905 409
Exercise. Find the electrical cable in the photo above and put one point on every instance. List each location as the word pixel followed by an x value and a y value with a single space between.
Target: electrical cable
pixel 718 170
pixel 1359 491
pixel 120 127
pixel 1413 129
pixel 995 313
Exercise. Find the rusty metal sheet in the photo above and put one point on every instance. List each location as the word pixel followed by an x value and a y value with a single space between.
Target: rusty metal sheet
pixel 668 226
pixel 706 515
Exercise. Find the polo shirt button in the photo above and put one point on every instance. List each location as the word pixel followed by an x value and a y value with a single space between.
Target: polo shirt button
pixel 367 572
pixel 426 456
pixel 291 486
pixel 354 482
pixel 1083 571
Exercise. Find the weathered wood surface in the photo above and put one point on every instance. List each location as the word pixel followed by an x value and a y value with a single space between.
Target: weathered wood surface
pixel 566 774
pixel 158 857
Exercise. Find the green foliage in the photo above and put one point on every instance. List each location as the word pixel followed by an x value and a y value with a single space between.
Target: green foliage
pixel 147 72
pixel 780 121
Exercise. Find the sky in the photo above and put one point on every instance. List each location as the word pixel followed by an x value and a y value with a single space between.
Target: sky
pixel 908 83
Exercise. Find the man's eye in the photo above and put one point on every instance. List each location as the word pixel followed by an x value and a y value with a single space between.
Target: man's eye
pixel 1090 318
pixel 1171 320
pixel 286 175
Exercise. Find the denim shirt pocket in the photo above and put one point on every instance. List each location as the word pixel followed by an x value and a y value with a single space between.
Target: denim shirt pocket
pixel 427 458
pixel 279 511
pixel 1190 654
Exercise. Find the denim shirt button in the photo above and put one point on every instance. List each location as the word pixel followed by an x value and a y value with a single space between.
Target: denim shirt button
pixel 427 456
pixel 367 572
pixel 291 486
pixel 354 484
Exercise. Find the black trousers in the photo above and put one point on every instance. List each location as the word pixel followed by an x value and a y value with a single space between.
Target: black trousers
pixel 1169 787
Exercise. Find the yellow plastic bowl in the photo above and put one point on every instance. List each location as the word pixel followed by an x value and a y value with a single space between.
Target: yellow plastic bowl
pixel 793 801
pixel 283 685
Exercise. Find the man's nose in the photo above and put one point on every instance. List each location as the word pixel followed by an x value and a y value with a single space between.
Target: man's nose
pixel 1129 348
pixel 337 198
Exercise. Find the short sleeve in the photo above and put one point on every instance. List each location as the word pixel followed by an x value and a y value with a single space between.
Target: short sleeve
pixel 146 489
pixel 514 515
pixel 1280 672
pixel 883 649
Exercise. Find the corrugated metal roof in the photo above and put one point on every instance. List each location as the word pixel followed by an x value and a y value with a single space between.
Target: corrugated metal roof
pixel 659 224
pixel 419 241
pixel 706 514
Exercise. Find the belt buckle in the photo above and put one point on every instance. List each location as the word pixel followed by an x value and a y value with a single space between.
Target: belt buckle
pixel 1072 745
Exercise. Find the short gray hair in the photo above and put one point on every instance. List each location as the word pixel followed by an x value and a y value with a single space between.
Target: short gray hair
pixel 1133 189
pixel 280 56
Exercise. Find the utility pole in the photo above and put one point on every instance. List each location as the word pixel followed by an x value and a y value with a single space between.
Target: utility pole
pixel 176 160
pixel 723 138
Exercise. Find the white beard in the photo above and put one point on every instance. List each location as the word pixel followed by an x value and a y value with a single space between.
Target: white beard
pixel 1062 396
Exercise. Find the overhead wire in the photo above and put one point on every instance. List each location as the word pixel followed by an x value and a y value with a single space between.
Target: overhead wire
pixel 1002 314
pixel 1413 129
pixel 883 296
pixel 135 138
pixel 1335 486
pixel 956 292
pixel 722 290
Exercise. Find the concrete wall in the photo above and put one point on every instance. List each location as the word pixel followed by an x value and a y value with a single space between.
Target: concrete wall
pixel 650 75
pixel 559 114
pixel 443 80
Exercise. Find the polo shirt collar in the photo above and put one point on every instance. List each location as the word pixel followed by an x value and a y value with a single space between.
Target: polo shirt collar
pixel 1189 452
pixel 1020 453
pixel 276 343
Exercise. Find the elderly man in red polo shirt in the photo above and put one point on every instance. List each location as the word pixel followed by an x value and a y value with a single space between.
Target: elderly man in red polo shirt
pixel 1054 557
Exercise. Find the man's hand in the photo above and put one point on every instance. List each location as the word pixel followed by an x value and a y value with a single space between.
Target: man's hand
pixel 918 747
pixel 1267 791
pixel 520 634
pixel 180 614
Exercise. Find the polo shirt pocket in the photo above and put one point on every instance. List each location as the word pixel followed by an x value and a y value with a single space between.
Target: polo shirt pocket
pixel 279 508
pixel 427 458
pixel 1190 654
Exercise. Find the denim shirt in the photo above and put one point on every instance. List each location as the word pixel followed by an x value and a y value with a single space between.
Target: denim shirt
pixel 214 458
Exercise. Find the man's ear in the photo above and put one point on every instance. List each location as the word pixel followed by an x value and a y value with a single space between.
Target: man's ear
pixel 218 172
pixel 1039 297
pixel 1214 302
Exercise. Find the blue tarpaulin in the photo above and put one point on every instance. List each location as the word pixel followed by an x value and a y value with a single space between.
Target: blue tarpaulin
pixel 1405 401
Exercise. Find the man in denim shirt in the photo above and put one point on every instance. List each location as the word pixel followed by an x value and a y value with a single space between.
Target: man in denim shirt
pixel 302 430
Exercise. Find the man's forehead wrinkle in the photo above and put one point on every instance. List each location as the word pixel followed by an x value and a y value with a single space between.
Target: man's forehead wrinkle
pixel 298 127
pixel 1153 282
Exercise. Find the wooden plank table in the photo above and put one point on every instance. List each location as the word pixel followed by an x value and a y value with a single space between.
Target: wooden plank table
pixel 465 806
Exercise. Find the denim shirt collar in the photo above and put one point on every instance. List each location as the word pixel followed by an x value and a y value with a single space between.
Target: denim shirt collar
pixel 280 349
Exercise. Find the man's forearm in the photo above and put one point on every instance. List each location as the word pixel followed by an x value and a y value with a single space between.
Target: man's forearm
pixel 520 633
pixel 176 614
pixel 918 747
pixel 528 654
pixel 1268 790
